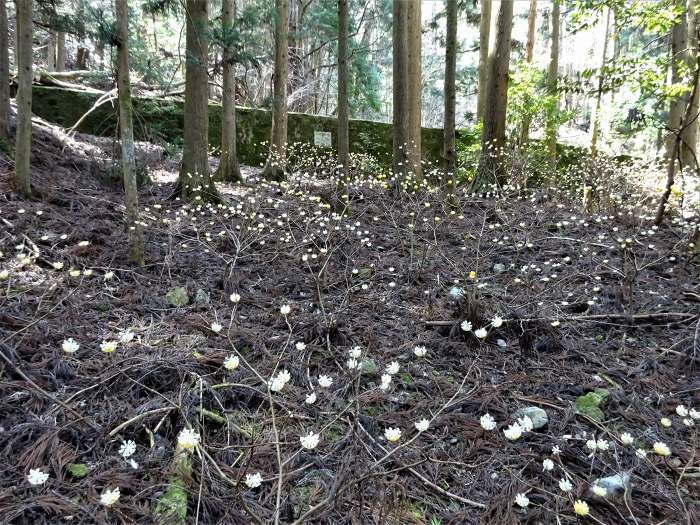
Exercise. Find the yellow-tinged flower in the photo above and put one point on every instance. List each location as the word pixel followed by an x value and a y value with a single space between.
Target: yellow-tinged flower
pixel 581 508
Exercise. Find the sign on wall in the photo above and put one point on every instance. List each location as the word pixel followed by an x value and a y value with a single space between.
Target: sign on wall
pixel 323 139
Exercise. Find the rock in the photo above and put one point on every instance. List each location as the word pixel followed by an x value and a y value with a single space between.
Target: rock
pixel 499 267
pixel 201 297
pixel 538 416
pixel 177 296
pixel 616 485
pixel 590 404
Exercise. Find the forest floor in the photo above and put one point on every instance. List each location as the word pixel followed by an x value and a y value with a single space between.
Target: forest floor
pixel 580 312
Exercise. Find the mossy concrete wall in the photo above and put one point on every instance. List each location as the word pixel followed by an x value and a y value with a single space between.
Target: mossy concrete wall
pixel 158 119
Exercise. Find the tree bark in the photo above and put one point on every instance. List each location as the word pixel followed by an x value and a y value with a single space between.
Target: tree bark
pixel 552 79
pixel 689 136
pixel 413 35
pixel 195 182
pixel 229 169
pixel 277 158
pixel 343 132
pixel 400 81
pixel 126 135
pixel 492 168
pixel 4 74
pixel 61 51
pixel 595 127
pixel 679 42
pixel 81 61
pixel 449 153
pixel 51 52
pixel 529 49
pixel 23 138
pixel 484 39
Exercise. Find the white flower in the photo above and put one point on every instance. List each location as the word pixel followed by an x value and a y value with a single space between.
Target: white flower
pixel 695 414
pixel 285 309
pixel 422 425
pixel 126 336
pixel 108 346
pixel 284 376
pixel 310 398
pixel 556 450
pixel 301 346
pixel 392 368
pixel 109 497
pixel 662 449
pixel 592 445
pixel 626 438
pixel 420 351
pixel 253 480
pixel 392 434
pixel 353 364
pixel 216 327
pixel 603 445
pixel 70 346
pixel 487 422
pixel 522 500
pixel 640 453
pixel 127 449
pixel 688 422
pixel 526 423
pixel 565 485
pixel 466 326
pixel 581 508
pixel 386 381
pixel 108 276
pixel 497 321
pixel 310 441
pixel 547 465
pixel 231 362
pixel 481 333
pixel 599 491
pixel 57 265
pixel 235 298
pixel 325 381
pixel 513 432
pixel 682 411
pixel 37 476
pixel 355 352
pixel 276 384
pixel 666 422
pixel 187 439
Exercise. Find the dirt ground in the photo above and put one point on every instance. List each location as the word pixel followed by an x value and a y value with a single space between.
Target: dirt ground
pixel 588 302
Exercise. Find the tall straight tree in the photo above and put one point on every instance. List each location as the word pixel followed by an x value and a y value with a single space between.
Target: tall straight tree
pixel 552 91
pixel 689 134
pixel 195 180
pixel 529 51
pixel 400 82
pixel 493 138
pixel 449 153
pixel 484 38
pixel 415 91
pixel 343 132
pixel 23 139
pixel 4 74
pixel 277 158
pixel 595 127
pixel 126 134
pixel 229 169
pixel 60 51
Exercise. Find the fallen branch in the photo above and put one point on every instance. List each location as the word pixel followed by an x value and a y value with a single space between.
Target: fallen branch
pixel 138 418
pixel 685 316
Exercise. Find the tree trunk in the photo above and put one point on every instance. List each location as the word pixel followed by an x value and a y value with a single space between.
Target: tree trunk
pixel 195 181
pixel 449 153
pixel 689 136
pixel 51 52
pixel 229 170
pixel 413 47
pixel 81 61
pixel 343 133
pixel 23 138
pixel 595 127
pixel 277 159
pixel 400 81
pixel 484 39
pixel 61 51
pixel 679 42
pixel 126 135
pixel 529 49
pixel 4 74
pixel 492 169
pixel 552 78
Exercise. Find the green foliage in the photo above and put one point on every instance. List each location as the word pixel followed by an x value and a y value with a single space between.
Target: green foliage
pixel 77 470
pixel 590 404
